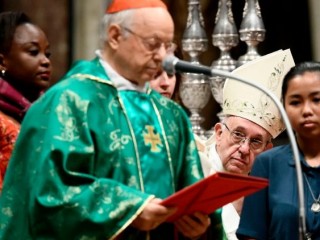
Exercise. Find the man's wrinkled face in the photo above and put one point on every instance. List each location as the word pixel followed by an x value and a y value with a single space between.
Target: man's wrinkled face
pixel 238 142
pixel 142 46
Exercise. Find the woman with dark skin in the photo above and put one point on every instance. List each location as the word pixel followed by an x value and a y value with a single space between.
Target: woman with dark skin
pixel 24 63
pixel 25 71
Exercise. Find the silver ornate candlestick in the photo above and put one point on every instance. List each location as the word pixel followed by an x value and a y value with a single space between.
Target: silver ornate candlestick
pixel 195 89
pixel 194 40
pixel 252 30
pixel 225 36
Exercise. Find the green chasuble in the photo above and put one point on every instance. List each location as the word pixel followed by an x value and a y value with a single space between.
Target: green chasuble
pixel 89 157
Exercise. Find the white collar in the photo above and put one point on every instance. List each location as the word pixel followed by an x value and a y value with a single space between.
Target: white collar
pixel 215 160
pixel 118 81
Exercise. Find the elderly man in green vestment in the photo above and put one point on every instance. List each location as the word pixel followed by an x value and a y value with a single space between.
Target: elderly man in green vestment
pixel 99 150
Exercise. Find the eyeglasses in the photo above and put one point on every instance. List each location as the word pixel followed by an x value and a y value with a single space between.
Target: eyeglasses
pixel 154 44
pixel 237 137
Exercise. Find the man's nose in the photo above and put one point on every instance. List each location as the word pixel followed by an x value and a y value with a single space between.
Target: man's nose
pixel 161 53
pixel 244 145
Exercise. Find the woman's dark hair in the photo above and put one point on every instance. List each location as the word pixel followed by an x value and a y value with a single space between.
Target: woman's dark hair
pixel 9 21
pixel 299 69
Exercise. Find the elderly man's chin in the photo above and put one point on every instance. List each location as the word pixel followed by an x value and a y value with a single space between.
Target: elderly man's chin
pixel 234 168
pixel 151 73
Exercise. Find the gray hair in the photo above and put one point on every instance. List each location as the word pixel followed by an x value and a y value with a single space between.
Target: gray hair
pixel 122 18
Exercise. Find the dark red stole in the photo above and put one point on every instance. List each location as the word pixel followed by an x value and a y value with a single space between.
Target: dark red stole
pixel 12 102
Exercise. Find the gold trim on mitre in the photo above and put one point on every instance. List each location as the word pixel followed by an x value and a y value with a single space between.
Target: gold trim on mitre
pixel 243 100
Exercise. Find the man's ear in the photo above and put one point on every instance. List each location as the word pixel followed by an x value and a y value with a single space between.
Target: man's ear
pixel 218 130
pixel 269 146
pixel 114 36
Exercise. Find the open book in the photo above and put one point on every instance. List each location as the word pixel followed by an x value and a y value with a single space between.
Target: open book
pixel 212 192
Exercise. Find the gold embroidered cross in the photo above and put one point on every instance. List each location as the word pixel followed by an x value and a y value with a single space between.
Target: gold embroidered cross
pixel 152 139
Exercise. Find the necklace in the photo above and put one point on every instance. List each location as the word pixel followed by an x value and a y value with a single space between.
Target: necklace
pixel 315 207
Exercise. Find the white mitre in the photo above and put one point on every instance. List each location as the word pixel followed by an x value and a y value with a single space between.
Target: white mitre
pixel 243 100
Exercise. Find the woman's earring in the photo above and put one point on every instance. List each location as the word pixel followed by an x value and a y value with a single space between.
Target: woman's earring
pixel 3 72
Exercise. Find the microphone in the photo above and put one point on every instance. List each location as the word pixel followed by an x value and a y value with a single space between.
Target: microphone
pixel 172 64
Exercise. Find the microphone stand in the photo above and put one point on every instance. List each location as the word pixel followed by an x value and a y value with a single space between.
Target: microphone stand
pixel 302 216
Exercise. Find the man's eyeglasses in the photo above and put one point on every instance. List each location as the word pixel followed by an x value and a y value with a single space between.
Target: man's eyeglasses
pixel 237 137
pixel 154 44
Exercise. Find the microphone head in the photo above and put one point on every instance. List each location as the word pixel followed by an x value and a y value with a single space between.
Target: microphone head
pixel 169 63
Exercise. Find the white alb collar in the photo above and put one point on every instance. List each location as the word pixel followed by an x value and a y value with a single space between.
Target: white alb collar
pixel 118 81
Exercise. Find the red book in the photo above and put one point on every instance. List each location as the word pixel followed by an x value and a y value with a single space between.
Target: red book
pixel 212 193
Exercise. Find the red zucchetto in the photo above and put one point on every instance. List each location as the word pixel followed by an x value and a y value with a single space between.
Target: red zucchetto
pixel 119 5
